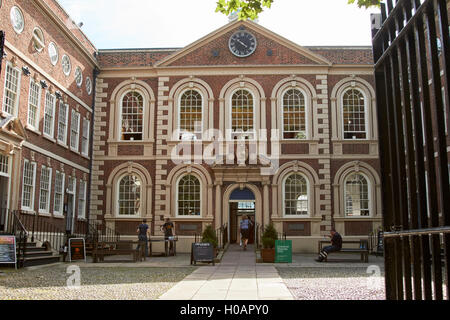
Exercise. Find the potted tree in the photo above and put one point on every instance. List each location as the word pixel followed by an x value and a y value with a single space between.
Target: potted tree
pixel 209 235
pixel 269 237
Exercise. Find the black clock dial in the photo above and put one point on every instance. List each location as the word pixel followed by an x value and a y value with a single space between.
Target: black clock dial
pixel 242 44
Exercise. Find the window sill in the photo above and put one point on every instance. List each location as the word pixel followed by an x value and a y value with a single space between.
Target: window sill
pixel 33 129
pixel 297 218
pixel 44 214
pixel 49 138
pixel 343 219
pixel 75 151
pixel 58 215
pixel 62 144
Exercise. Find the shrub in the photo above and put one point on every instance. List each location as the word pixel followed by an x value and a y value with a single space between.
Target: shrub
pixel 209 235
pixel 269 237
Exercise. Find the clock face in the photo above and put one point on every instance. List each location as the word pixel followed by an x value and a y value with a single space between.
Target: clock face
pixel 242 44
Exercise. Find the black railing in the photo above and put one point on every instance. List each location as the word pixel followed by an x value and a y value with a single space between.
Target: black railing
pixel 99 232
pixel 41 229
pixel 412 72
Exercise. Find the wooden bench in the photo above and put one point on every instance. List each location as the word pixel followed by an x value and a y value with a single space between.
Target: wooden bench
pixel 362 249
pixel 117 248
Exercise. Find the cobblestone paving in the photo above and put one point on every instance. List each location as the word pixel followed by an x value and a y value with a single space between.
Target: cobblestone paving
pixel 119 283
pixel 333 283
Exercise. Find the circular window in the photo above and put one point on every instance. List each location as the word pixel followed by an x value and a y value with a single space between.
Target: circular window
pixel 17 19
pixel 67 67
pixel 38 39
pixel 53 53
pixel 88 85
pixel 78 77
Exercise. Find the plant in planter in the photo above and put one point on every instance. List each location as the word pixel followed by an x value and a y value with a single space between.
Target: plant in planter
pixel 269 237
pixel 209 235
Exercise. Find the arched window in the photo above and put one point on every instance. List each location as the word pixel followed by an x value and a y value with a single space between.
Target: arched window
pixel 357 202
pixel 129 196
pixel 242 115
pixel 354 114
pixel 132 116
pixel 189 200
pixel 295 195
pixel 190 116
pixel 294 115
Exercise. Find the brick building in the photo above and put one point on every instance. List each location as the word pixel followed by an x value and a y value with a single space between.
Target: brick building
pixel 47 92
pixel 242 121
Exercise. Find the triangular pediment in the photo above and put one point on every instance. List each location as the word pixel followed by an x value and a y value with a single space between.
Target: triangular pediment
pixel 271 49
pixel 13 128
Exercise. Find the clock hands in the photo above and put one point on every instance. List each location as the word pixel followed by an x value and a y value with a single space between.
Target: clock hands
pixel 242 43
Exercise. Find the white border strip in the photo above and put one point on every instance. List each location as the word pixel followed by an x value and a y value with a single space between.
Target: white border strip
pixel 45 74
pixel 54 156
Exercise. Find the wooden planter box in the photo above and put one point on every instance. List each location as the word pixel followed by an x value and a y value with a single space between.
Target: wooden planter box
pixel 268 255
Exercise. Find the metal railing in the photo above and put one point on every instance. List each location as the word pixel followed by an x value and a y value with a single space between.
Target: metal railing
pixel 41 229
pixel 2 48
pixel 412 72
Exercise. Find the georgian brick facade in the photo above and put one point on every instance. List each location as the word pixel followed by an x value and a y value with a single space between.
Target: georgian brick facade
pixel 150 166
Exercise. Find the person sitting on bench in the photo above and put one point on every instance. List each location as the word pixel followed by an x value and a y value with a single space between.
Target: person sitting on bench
pixel 336 245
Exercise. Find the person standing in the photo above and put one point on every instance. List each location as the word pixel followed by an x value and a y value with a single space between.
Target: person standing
pixel 168 229
pixel 143 231
pixel 336 245
pixel 245 230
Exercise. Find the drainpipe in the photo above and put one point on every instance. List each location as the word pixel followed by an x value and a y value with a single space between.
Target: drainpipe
pixel 2 47
pixel 95 73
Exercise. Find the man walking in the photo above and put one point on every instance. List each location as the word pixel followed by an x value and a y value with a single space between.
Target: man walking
pixel 336 245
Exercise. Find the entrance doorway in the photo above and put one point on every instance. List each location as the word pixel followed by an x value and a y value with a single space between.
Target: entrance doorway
pixel 242 202
pixel 4 190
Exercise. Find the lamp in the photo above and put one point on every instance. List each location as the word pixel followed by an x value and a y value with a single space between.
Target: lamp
pixel 44 84
pixel 26 71
pixel 58 95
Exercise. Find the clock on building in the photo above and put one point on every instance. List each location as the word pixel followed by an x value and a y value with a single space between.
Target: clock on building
pixel 242 43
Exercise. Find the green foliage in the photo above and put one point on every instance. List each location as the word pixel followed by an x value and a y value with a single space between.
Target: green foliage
pixel 366 3
pixel 269 237
pixel 209 235
pixel 246 9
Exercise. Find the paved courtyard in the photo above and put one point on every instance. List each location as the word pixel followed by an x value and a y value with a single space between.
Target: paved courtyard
pixel 237 277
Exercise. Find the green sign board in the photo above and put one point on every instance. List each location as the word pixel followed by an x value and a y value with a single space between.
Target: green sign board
pixel 283 251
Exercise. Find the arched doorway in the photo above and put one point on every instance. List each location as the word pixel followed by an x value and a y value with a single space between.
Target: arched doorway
pixel 242 203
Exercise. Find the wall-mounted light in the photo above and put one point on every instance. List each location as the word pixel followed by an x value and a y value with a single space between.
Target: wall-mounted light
pixel 58 95
pixel 26 71
pixel 5 55
pixel 44 84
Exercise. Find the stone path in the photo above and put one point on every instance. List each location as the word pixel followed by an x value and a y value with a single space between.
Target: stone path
pixel 237 277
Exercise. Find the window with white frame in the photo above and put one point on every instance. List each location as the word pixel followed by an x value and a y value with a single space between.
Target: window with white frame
pixel 78 77
pixel 357 201
pixel 74 130
pixel 11 93
pixel 44 190
pixel 132 116
pixel 294 115
pixel 82 200
pixel 296 195
pixel 38 39
pixel 62 122
pixel 29 178
pixel 354 114
pixel 17 19
pixel 4 165
pixel 242 115
pixel 59 193
pixel 85 138
pixel 34 102
pixel 190 115
pixel 49 114
pixel 53 53
pixel 129 196
pixel 66 65
pixel 189 196
pixel 88 85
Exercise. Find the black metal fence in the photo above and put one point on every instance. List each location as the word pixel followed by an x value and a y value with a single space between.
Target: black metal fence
pixel 412 55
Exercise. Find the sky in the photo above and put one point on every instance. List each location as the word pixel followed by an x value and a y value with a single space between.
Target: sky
pixel 113 24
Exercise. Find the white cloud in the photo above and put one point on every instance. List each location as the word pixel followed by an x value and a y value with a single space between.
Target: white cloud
pixel 177 23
